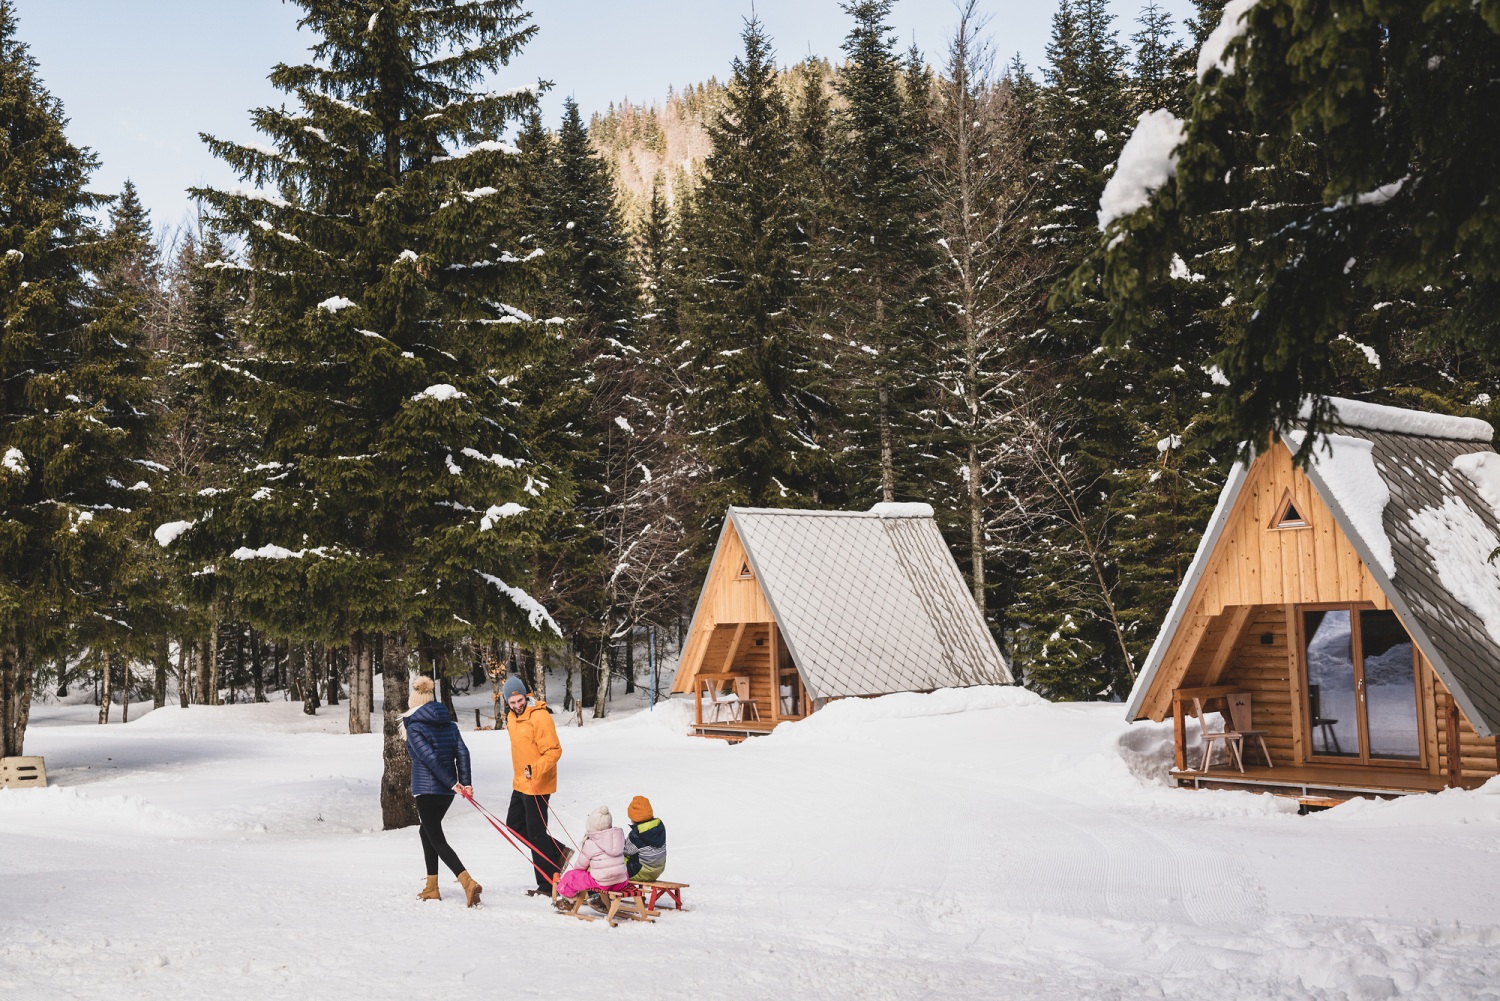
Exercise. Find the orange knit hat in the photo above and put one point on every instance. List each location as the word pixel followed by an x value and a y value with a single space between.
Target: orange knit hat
pixel 640 810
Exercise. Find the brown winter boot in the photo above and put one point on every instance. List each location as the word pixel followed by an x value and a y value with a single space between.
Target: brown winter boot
pixel 471 888
pixel 430 891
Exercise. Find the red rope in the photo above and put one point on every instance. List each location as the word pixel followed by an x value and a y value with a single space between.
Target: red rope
pixel 511 835
pixel 555 817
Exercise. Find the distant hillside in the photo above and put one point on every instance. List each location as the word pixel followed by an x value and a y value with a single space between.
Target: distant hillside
pixel 668 138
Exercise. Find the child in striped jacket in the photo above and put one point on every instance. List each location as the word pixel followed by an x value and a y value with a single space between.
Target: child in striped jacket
pixel 646 844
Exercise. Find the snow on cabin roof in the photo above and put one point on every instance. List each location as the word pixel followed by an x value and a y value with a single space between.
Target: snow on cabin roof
pixel 1418 496
pixel 869 602
pixel 1374 417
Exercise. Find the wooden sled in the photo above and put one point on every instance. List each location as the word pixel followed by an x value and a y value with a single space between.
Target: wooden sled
pixel 654 890
pixel 629 905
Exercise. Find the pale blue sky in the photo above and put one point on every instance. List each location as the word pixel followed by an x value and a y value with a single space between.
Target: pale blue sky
pixel 141 78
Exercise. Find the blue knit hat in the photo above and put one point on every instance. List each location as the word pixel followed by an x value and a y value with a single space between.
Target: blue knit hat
pixel 513 686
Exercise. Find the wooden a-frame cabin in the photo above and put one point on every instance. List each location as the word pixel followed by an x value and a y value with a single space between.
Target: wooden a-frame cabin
pixel 1354 603
pixel 800 607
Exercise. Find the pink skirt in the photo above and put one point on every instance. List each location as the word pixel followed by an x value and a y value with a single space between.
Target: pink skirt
pixel 576 881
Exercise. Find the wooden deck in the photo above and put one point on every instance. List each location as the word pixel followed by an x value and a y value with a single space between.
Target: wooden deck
pixel 735 730
pixel 1314 781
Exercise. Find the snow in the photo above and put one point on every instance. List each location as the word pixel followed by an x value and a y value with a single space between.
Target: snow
pixel 1373 417
pixel 536 614
pixel 489 146
pixel 335 303
pixel 1006 852
pixel 442 392
pixel 892 509
pixel 171 531
pixel 1459 542
pixel 1146 163
pixel 272 552
pixel 498 511
pixel 624 425
pixel 1169 443
pixel 1346 466
pixel 1230 27
pixel 269 197
pixel 1482 469
pixel 14 461
pixel 1371 355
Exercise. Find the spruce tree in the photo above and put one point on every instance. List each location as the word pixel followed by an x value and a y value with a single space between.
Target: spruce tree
pixel 75 398
pixel 395 491
pixel 884 256
pixel 1374 121
pixel 756 395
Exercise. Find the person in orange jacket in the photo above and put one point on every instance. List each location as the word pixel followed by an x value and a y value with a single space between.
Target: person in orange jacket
pixel 534 753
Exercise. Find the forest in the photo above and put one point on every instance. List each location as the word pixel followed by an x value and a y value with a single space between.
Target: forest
pixel 443 386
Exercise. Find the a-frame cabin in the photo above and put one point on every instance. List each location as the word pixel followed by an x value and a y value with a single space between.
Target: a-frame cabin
pixel 1354 602
pixel 800 607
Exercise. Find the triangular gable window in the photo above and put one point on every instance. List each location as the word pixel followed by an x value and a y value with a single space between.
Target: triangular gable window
pixel 745 573
pixel 1289 516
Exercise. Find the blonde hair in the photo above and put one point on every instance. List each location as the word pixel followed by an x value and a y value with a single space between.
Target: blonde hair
pixel 421 690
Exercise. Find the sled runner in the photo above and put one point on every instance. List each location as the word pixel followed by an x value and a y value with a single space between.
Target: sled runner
pixel 628 905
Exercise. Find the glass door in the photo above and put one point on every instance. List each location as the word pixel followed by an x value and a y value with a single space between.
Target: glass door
pixel 1361 691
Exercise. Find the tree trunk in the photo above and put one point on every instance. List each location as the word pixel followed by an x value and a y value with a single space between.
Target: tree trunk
pixel 568 679
pixel 887 462
pixel 630 660
pixel 331 657
pixel 163 664
pixel 125 690
pixel 183 688
pixel 258 679
pixel 445 695
pixel 361 681
pixel 213 668
pixel 15 701
pixel 606 664
pixel 200 673
pixel 309 679
pixel 106 681
pixel 397 808
pixel 976 528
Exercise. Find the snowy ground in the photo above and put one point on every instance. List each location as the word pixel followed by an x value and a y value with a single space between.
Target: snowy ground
pixel 897 848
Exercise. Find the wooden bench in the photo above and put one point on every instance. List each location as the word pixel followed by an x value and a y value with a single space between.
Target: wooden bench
pixel 656 889
pixel 23 772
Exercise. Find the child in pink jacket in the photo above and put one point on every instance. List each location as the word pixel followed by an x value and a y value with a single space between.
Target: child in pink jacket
pixel 600 862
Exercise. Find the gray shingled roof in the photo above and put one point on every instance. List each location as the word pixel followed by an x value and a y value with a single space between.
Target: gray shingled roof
pixel 868 603
pixel 1419 473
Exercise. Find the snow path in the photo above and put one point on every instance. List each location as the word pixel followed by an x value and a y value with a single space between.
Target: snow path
pixel 233 853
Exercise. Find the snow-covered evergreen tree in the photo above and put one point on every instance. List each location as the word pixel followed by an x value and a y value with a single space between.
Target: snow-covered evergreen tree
pixel 75 400
pixel 756 388
pixel 395 490
pixel 884 256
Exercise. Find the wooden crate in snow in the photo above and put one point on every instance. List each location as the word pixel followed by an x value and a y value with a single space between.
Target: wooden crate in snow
pixel 22 773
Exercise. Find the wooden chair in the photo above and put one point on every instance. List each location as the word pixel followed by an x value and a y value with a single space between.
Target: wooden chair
pixel 1320 722
pixel 1229 738
pixel 1241 718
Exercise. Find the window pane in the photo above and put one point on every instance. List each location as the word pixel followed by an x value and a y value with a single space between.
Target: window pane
pixel 1390 686
pixel 1330 683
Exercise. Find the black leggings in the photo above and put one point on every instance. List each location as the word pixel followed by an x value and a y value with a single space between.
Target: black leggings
pixel 430 808
pixel 527 816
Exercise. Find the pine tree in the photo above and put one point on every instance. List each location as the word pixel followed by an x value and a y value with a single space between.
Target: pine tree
pixel 74 401
pixel 1074 642
pixel 592 288
pixel 1368 125
pixel 884 254
pixel 756 391
pixel 395 497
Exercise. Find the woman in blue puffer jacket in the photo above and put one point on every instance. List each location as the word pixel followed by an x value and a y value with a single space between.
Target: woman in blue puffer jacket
pixel 439 769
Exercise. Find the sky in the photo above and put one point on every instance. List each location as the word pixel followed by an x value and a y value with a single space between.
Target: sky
pixel 140 79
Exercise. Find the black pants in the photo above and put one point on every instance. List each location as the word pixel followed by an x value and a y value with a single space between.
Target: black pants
pixel 528 817
pixel 430 810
